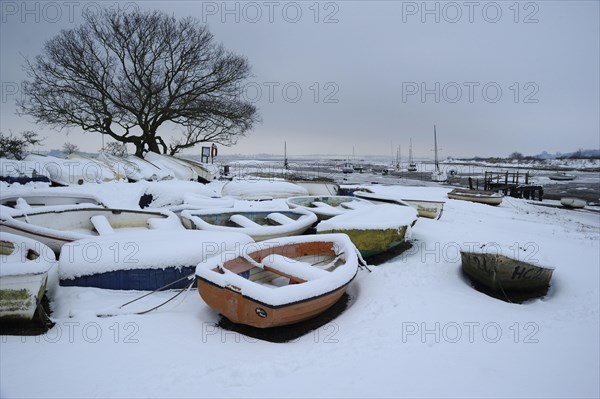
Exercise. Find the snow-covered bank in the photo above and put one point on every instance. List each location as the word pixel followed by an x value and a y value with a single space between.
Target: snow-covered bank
pixel 414 327
pixel 544 164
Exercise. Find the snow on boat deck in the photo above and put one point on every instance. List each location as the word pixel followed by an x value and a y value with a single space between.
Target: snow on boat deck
pixel 414 327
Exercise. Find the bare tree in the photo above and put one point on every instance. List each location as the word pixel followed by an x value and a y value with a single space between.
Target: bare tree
pixel 115 148
pixel 70 148
pixel 125 74
pixel 15 147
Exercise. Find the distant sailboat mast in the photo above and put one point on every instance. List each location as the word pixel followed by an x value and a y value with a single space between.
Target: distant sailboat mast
pixel 437 165
pixel 412 167
pixel 437 175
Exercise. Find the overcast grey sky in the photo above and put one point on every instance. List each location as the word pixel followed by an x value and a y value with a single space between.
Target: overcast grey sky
pixel 495 77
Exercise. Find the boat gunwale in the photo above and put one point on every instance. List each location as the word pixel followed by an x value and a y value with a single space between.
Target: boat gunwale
pixel 345 285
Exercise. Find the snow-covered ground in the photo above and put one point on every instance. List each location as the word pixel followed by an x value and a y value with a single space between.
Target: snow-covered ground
pixel 414 326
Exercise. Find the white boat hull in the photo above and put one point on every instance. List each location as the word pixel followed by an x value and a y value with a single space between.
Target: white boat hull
pixel 427 209
pixel 24 275
pixel 318 188
pixel 571 202
pixel 561 177
pixel 20 295
pixel 439 177
pixel 481 197
pixel 57 227
pixel 49 198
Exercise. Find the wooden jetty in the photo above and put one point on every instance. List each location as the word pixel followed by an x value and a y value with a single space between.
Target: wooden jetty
pixel 515 184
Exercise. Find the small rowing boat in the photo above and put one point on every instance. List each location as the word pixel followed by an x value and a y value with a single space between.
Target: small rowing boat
pixel 69 223
pixel 259 223
pixel 46 197
pixel 480 196
pixel 572 202
pixel 300 278
pixel 561 176
pixel 146 260
pixel 504 269
pixel 425 208
pixel 26 264
pixel 374 229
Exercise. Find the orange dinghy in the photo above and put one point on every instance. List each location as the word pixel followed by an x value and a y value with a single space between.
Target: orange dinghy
pixel 279 282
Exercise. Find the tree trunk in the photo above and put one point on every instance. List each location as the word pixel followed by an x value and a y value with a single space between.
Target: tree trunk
pixel 139 149
pixel 152 144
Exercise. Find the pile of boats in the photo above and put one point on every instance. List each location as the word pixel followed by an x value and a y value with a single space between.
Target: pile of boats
pixel 78 169
pixel 260 263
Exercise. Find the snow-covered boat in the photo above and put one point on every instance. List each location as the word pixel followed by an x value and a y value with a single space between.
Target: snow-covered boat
pixel 26 264
pixel 327 206
pixel 561 176
pixel 133 168
pixel 206 172
pixel 261 189
pixel 291 279
pixel 260 223
pixel 503 269
pixel 146 170
pixel 480 196
pixel 22 172
pixel 69 223
pixel 572 202
pixel 374 229
pixel 193 201
pixel 46 197
pixel 101 169
pixel 74 171
pixel 315 187
pixel 425 208
pixel 145 260
pixel 179 169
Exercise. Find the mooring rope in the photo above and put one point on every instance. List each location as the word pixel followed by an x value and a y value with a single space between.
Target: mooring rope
pixel 158 289
pixel 168 300
pixel 362 262
pixel 502 289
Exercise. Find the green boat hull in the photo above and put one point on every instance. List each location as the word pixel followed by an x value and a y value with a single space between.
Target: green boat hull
pixel 373 242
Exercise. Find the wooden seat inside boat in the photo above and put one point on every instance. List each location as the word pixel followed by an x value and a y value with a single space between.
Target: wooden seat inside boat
pixel 322 205
pixel 293 264
pixel 351 205
pixel 280 218
pixel 243 221
pixel 295 270
pixel 101 225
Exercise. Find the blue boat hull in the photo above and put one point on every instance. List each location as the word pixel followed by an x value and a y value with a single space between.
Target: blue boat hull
pixel 138 279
